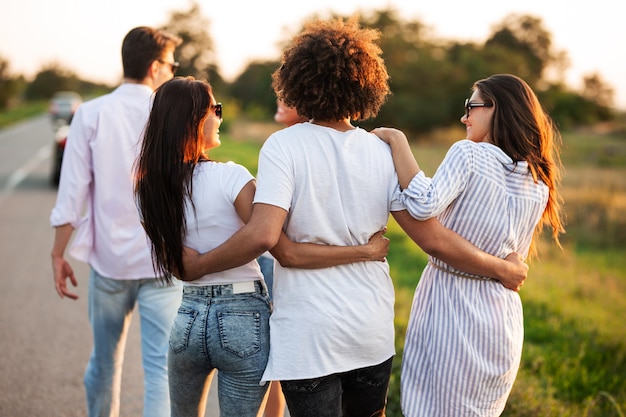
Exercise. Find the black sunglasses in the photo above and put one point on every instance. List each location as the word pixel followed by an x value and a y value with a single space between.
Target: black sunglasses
pixel 173 65
pixel 469 106
pixel 218 110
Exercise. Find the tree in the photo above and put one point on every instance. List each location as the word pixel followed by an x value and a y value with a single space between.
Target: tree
pixel 420 74
pixel 431 77
pixel 597 91
pixel 8 84
pixel 51 78
pixel 197 53
pixel 253 89
pixel 524 35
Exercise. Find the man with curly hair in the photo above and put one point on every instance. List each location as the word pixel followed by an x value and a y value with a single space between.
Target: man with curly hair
pixel 329 182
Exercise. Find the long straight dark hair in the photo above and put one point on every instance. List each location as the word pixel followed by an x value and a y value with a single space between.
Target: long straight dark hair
pixel 172 146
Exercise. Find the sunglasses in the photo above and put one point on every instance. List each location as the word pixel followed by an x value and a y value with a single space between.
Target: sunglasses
pixel 469 106
pixel 218 110
pixel 173 65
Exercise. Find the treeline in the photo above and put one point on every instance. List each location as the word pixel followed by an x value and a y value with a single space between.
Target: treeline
pixel 430 77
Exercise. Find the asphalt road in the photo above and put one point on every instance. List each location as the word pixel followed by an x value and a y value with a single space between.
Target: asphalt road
pixel 45 341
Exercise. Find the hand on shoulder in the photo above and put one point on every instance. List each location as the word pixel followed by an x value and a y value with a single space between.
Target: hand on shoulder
pixel 389 134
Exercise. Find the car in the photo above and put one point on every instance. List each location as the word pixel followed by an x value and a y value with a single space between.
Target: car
pixel 60 139
pixel 63 105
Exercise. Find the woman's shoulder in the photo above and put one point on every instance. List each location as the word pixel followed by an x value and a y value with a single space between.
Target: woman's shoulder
pixel 462 147
pixel 221 166
pixel 464 144
pixel 215 164
pixel 469 146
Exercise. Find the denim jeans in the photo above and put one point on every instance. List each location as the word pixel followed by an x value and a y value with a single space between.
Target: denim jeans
pixel 111 304
pixel 357 393
pixel 216 329
pixel 266 263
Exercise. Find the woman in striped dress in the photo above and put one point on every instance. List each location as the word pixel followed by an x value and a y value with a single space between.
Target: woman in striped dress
pixel 497 189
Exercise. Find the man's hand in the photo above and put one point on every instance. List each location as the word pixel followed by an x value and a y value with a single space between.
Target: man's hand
pixel 389 134
pixel 62 270
pixel 192 267
pixel 518 272
pixel 378 245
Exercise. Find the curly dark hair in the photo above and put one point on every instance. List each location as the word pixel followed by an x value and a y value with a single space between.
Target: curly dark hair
pixel 333 70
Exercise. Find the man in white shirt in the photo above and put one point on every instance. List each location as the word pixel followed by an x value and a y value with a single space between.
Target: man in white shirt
pixel 329 182
pixel 95 198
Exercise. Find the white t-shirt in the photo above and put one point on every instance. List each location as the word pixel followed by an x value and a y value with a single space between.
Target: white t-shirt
pixel 216 186
pixel 339 188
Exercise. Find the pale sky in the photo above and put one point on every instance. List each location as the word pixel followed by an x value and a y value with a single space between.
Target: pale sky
pixel 85 35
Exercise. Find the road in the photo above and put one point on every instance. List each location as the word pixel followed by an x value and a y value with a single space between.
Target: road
pixel 45 341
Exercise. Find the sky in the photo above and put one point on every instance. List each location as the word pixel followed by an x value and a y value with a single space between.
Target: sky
pixel 86 35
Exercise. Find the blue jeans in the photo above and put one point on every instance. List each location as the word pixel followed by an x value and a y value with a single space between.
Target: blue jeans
pixel 266 264
pixel 357 393
pixel 111 304
pixel 218 328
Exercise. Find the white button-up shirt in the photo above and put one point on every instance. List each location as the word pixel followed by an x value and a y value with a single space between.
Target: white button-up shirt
pixel 96 189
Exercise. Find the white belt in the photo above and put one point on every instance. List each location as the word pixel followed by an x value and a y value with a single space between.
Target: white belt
pixel 243 287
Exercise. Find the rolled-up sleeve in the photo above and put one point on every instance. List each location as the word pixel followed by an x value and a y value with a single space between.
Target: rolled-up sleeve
pixel 76 172
pixel 427 197
pixel 73 204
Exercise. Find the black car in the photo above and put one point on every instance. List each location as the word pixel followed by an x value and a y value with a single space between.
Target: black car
pixel 60 139
pixel 63 105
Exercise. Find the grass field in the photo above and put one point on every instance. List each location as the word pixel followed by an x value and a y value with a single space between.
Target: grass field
pixel 574 358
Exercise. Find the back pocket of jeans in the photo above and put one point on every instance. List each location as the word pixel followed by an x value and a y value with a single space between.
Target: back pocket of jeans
pixel 240 332
pixel 181 329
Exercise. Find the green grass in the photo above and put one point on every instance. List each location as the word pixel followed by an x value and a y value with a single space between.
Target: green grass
pixel 21 112
pixel 574 358
pixel 591 150
pixel 244 153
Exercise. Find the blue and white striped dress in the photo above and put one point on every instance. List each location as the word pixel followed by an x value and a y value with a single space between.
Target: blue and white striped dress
pixel 464 339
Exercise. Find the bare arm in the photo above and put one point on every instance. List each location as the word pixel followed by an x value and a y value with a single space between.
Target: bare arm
pixel 243 202
pixel 403 159
pixel 61 269
pixel 444 244
pixel 312 256
pixel 287 253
